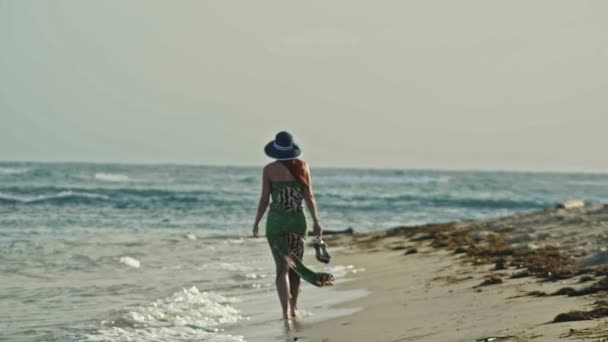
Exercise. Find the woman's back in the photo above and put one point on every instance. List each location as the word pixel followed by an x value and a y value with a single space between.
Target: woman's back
pixel 278 172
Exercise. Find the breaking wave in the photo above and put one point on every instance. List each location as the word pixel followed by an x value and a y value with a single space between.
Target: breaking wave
pixel 13 170
pixel 116 197
pixel 111 177
pixel 63 197
pixel 187 315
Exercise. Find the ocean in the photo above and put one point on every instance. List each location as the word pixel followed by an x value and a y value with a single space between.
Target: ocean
pixel 113 252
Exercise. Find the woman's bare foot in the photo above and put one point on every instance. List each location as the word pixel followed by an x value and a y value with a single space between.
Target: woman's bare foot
pixel 295 313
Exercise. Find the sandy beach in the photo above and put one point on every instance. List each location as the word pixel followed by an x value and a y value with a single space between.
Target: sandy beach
pixel 530 277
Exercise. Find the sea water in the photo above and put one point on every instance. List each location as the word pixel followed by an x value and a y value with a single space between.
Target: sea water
pixel 106 252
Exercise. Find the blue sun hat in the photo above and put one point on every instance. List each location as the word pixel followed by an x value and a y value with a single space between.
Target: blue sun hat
pixel 283 147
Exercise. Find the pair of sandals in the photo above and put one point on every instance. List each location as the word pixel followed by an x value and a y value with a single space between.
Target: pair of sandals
pixel 321 250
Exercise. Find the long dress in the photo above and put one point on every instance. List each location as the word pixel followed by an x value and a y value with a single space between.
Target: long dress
pixel 286 230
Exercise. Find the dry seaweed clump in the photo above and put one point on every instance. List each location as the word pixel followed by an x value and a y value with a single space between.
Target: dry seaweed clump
pixel 597 334
pixel 491 250
pixel 411 251
pixel 599 286
pixel 492 280
pixel 600 310
pixel 368 241
pixel 522 274
pixel 482 244
pixel 601 270
pixel 422 232
pixel 548 262
pixel 490 247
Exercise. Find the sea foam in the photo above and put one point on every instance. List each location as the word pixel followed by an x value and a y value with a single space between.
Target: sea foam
pixel 57 198
pixel 342 270
pixel 13 170
pixel 186 315
pixel 111 177
pixel 132 262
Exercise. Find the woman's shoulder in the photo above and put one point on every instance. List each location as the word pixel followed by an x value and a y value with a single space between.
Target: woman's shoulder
pixel 276 163
pixel 304 165
pixel 270 165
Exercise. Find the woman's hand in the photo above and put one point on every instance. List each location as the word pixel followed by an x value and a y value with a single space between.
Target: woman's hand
pixel 256 231
pixel 317 230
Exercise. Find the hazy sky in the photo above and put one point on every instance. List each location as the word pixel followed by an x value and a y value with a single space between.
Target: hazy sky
pixel 518 84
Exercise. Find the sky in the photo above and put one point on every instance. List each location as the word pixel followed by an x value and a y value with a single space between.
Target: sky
pixel 490 85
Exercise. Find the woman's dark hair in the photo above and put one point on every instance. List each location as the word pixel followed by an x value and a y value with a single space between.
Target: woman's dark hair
pixel 298 170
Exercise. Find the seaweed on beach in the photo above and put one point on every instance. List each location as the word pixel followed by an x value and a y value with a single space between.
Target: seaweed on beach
pixel 599 286
pixel 548 262
pixel 580 315
pixel 490 280
pixel 483 246
pixel 601 270
pixel 452 279
pixel 368 241
pixel 521 274
pixel 485 243
pixel 426 230
pixel 600 311
pixel 411 251
pixel 597 333
pixel 495 243
pixel 491 247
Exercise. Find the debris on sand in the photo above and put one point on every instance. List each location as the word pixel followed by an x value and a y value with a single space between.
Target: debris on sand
pixel 411 251
pixel 600 310
pixel 581 315
pixel 492 280
pixel 551 245
pixel 601 285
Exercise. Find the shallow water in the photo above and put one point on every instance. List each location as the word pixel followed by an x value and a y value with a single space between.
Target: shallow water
pixel 92 252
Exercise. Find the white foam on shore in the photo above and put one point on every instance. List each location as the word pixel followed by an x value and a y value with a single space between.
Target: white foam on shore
pixel 188 307
pixel 161 334
pixel 111 177
pixel 226 266
pixel 342 270
pixel 255 276
pixel 187 315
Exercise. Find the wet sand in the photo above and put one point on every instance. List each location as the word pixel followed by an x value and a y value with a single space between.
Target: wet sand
pixel 533 277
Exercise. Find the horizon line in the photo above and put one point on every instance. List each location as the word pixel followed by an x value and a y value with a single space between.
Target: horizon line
pixel 194 164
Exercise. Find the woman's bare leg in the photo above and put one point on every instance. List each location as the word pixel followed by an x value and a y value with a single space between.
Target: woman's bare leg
pixel 283 291
pixel 297 251
pixel 294 287
pixel 282 283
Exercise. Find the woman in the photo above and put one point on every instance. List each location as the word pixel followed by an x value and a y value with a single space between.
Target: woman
pixel 287 181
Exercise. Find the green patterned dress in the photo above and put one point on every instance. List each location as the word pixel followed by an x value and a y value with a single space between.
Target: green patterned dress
pixel 286 230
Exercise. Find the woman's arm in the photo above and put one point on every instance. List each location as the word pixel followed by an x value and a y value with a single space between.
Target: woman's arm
pixel 264 201
pixel 309 197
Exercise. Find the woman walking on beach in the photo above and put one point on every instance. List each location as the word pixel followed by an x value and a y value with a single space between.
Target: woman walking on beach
pixel 287 181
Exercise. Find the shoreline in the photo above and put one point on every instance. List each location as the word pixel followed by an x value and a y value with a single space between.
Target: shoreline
pixel 539 276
